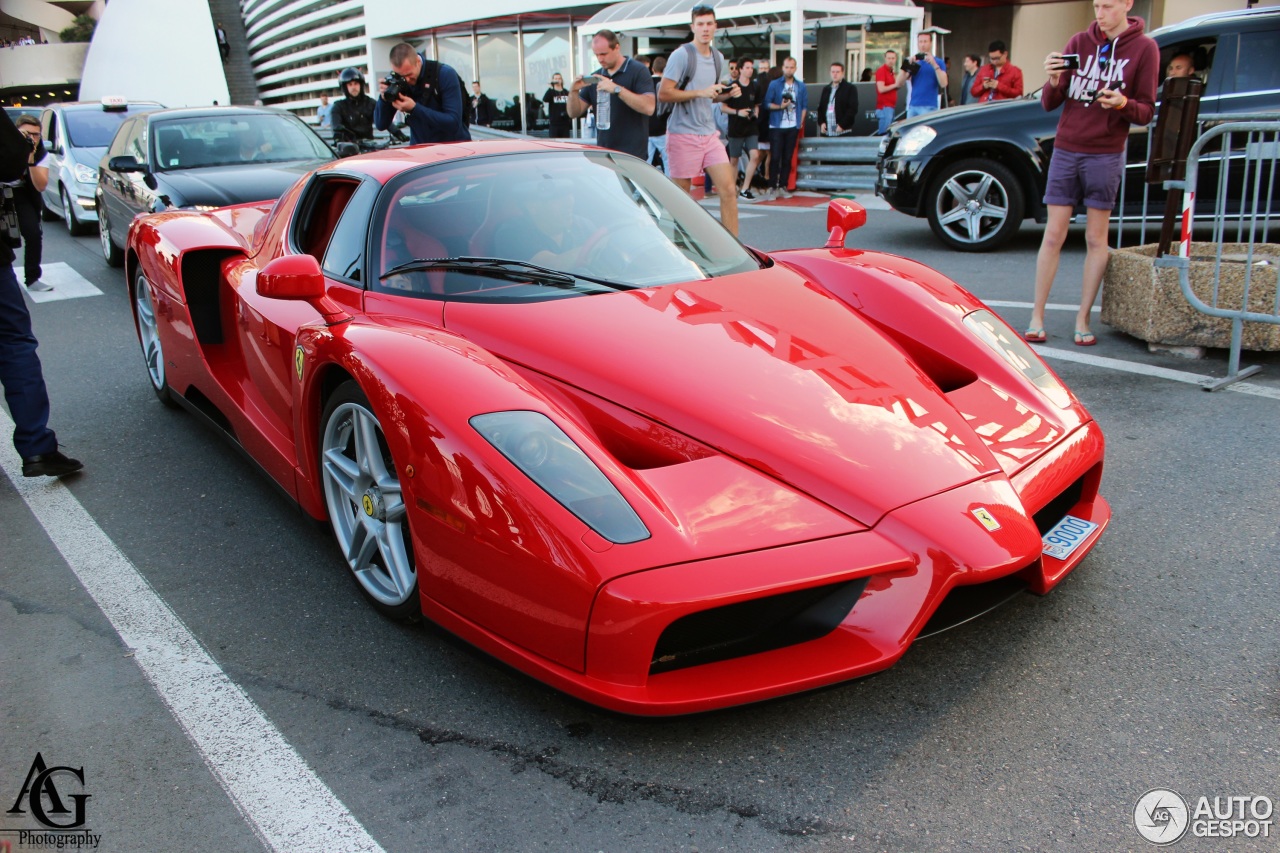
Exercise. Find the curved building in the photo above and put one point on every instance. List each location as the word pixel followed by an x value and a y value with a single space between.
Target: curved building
pixel 298 48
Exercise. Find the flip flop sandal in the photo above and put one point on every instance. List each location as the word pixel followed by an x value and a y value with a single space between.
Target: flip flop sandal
pixel 1036 336
pixel 1085 339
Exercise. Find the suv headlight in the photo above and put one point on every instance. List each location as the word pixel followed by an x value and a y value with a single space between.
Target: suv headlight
pixel 914 140
pixel 1014 350
pixel 85 174
pixel 539 448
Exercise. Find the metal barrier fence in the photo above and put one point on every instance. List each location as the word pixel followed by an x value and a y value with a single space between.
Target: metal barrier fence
pixel 837 163
pixel 1232 166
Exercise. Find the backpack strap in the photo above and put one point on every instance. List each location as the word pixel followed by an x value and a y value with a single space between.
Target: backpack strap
pixel 691 64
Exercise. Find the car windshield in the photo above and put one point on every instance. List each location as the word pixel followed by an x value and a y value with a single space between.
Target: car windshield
pixel 228 140
pixel 94 127
pixel 609 220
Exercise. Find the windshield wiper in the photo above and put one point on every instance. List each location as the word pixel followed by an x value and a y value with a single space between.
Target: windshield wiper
pixel 500 268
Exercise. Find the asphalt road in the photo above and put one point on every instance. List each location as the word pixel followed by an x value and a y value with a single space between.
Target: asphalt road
pixel 1156 664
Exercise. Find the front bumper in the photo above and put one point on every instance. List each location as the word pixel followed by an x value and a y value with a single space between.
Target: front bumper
pixel 899 182
pixel 897 574
pixel 82 196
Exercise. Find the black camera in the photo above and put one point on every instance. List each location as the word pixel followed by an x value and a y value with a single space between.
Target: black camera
pixel 920 57
pixel 10 232
pixel 396 86
pixel 786 96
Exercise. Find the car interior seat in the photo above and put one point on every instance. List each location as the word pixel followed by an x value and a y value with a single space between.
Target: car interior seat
pixel 168 141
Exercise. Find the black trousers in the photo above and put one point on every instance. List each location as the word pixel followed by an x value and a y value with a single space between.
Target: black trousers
pixel 32 236
pixel 782 145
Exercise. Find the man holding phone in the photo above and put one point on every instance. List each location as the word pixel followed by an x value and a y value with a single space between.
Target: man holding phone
pixel 1104 81
pixel 695 81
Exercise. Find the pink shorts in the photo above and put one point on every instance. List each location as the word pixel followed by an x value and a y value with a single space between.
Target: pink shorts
pixel 689 155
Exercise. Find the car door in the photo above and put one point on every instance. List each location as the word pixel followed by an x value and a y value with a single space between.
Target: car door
pixel 330 223
pixel 111 184
pixel 51 130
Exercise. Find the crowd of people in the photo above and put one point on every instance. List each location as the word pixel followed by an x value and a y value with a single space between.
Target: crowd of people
pixel 21 40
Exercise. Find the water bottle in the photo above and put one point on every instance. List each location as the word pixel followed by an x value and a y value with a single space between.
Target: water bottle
pixel 602 109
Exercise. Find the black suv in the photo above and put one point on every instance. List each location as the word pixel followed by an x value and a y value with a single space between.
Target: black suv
pixel 977 171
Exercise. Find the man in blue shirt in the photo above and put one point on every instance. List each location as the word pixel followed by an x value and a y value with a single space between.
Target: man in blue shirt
pixel 787 102
pixel 928 78
pixel 432 107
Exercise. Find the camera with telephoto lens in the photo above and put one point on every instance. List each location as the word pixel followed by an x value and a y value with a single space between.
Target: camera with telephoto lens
pixel 396 86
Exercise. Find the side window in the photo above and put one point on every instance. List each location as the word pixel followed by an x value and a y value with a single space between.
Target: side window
pixel 121 139
pixel 317 228
pixel 136 146
pixel 49 129
pixel 345 255
pixel 1258 69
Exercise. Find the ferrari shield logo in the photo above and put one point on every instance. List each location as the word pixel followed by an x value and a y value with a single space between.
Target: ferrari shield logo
pixel 988 520
pixel 299 360
pixel 367 503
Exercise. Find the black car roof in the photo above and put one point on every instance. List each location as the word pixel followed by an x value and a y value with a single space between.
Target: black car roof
pixel 1216 22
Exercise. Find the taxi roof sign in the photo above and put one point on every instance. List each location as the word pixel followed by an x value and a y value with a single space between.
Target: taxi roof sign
pixel 114 102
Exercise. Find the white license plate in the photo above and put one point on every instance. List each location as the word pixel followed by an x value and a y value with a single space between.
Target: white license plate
pixel 1066 536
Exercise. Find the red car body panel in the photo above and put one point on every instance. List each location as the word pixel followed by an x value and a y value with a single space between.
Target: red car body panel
pixel 826 422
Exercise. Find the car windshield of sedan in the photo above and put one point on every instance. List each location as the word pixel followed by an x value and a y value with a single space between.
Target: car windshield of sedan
pixel 199 141
pixel 608 221
pixel 94 127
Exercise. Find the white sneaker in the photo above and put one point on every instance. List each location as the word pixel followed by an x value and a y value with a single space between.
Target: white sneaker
pixel 784 192
pixel 38 286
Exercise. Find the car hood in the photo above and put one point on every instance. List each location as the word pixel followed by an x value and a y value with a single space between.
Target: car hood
pixel 763 366
pixel 90 157
pixel 220 186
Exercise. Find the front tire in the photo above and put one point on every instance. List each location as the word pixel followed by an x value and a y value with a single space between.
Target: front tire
pixel 74 225
pixel 110 251
pixel 365 504
pixel 144 314
pixel 975 205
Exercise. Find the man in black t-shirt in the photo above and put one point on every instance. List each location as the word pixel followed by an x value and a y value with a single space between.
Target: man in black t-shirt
pixel 622 97
pixel 744 119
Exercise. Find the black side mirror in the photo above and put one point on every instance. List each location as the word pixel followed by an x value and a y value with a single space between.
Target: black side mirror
pixel 348 149
pixel 125 163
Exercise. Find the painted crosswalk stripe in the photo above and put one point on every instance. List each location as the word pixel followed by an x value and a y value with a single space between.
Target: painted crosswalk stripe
pixel 67 283
pixel 280 797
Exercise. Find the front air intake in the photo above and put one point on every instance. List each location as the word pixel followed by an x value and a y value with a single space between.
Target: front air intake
pixel 758 625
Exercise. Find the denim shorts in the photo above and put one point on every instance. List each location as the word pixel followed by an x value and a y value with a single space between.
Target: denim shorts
pixel 1093 179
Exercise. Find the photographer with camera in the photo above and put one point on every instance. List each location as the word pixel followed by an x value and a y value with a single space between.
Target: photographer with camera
pixel 352 114
pixel 928 74
pixel 27 201
pixel 694 83
pixel 20 374
pixel 1113 87
pixel 788 102
pixel 429 93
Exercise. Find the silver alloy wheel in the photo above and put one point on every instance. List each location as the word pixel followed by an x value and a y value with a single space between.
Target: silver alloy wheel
pixel 104 234
pixel 69 214
pixel 148 332
pixel 362 493
pixel 972 206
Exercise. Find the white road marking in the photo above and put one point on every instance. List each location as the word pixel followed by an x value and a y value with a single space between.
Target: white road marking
pixel 1052 306
pixel 1153 370
pixel 67 283
pixel 280 797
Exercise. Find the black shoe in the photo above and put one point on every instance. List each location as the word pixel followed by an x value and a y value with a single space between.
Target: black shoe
pixel 54 464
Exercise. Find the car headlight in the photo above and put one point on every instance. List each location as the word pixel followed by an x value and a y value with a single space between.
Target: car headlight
pixel 884 145
pixel 914 140
pixel 85 174
pixel 541 450
pixel 1014 350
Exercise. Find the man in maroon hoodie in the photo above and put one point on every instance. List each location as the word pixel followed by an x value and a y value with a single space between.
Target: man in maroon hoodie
pixel 1112 85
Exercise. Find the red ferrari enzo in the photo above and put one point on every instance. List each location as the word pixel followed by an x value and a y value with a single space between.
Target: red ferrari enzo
pixel 546 400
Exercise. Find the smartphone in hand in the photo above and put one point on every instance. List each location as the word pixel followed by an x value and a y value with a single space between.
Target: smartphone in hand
pixel 1070 61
